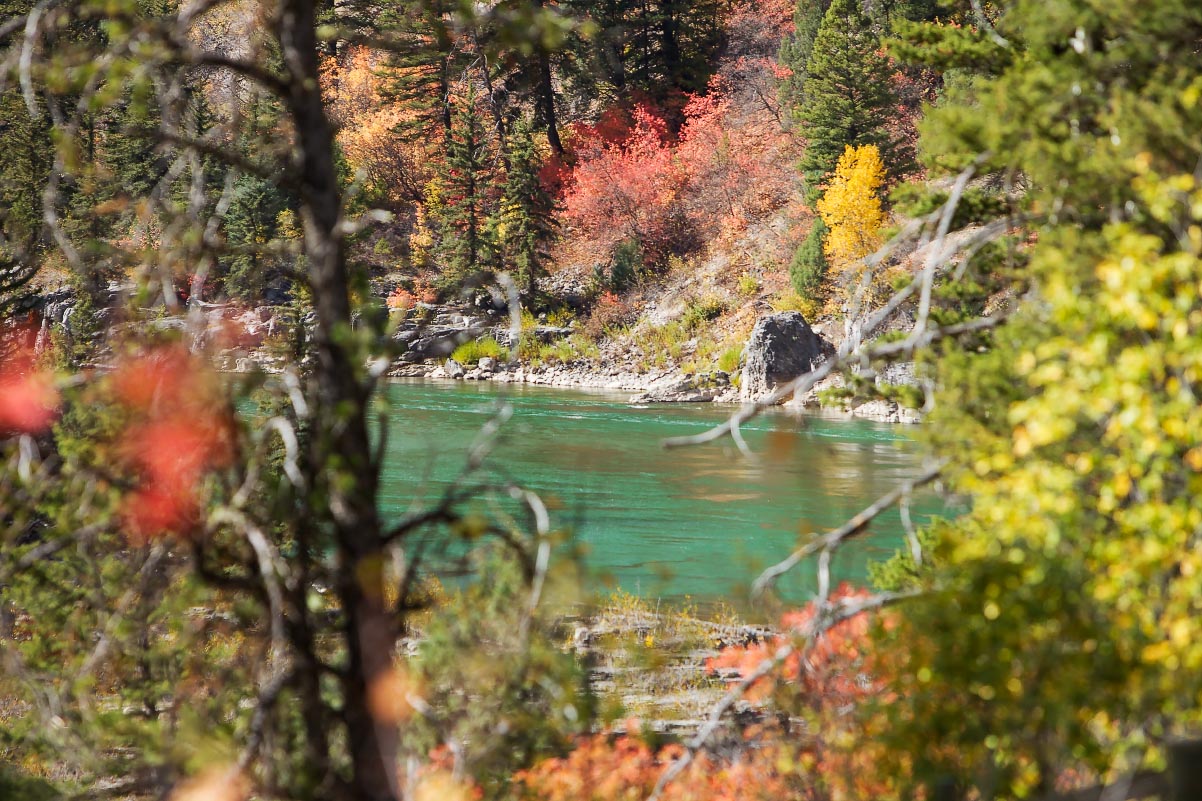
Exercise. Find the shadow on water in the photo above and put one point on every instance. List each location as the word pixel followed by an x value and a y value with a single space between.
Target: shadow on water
pixel 697 521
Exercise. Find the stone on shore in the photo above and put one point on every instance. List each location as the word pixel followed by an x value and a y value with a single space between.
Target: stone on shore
pixel 781 348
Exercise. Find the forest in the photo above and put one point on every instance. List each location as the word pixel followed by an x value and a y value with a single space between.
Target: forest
pixel 228 227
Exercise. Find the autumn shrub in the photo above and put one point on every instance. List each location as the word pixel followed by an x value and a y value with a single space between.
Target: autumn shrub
pixel 388 169
pixel 607 767
pixel 401 299
pixel 836 682
pixel 700 311
pixel 609 313
pixel 625 190
pixel 474 350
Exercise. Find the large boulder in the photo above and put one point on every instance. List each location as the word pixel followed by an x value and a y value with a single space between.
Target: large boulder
pixel 782 347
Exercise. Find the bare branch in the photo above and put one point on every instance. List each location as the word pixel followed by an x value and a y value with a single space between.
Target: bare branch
pixel 827 618
pixel 835 537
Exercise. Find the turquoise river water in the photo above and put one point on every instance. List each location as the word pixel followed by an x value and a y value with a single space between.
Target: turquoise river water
pixel 660 523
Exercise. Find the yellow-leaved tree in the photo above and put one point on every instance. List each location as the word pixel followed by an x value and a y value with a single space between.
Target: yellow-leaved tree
pixel 851 207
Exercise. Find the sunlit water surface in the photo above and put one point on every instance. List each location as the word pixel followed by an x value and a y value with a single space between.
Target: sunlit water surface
pixel 660 523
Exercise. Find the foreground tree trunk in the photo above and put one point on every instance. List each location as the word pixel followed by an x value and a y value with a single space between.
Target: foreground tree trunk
pixel 341 444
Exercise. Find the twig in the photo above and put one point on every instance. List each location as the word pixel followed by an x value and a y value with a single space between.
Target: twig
pixel 832 539
pixel 819 625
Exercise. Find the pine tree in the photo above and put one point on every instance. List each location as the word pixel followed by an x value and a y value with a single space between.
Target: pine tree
pixel 26 155
pixel 463 188
pixel 527 212
pixel 847 101
pixel 661 49
pixel 795 52
pixel 420 72
pixel 807 271
pixel 129 148
pixel 251 221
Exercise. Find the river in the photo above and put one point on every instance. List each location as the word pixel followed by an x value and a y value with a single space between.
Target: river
pixel 697 522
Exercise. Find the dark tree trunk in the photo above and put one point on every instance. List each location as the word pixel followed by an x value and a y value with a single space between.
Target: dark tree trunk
pixel 340 441
pixel 547 92
pixel 546 96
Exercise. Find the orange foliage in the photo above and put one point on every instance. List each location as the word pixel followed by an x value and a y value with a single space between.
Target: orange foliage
pixel 835 676
pixel 738 160
pixel 833 668
pixel 777 15
pixel 624 768
pixel 28 397
pixel 366 122
pixel 180 432
pixel 627 189
pixel 730 164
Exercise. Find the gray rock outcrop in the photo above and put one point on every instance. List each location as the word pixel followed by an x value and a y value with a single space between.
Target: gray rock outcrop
pixel 453 369
pixel 782 347
pixel 685 389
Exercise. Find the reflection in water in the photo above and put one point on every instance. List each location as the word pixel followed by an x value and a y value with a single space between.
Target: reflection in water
pixel 698 521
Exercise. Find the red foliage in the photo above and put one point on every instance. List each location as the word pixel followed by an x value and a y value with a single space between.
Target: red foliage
pixel 401 299
pixel 730 163
pixel 28 397
pixel 737 160
pixel 181 433
pixel 628 190
pixel 624 768
pixel 833 668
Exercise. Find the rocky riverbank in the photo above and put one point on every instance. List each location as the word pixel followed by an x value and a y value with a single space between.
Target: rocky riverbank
pixel 781 347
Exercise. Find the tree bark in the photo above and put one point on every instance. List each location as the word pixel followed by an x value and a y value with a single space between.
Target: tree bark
pixel 341 445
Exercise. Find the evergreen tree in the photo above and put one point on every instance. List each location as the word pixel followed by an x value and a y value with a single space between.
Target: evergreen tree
pixel 130 154
pixel 660 49
pixel 527 212
pixel 795 52
pixel 252 220
pixel 464 182
pixel 421 66
pixel 807 271
pixel 847 99
pixel 530 73
pixel 26 155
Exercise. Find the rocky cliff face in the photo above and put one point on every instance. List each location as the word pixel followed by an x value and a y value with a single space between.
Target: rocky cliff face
pixel 782 347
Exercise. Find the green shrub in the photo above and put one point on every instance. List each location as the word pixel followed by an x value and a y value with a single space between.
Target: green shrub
pixel 560 318
pixel 808 270
pixel 475 350
pixel 624 267
pixel 748 285
pixel 699 311
pixel 565 351
pixel 791 301
pixel 480 662
pixel 728 362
